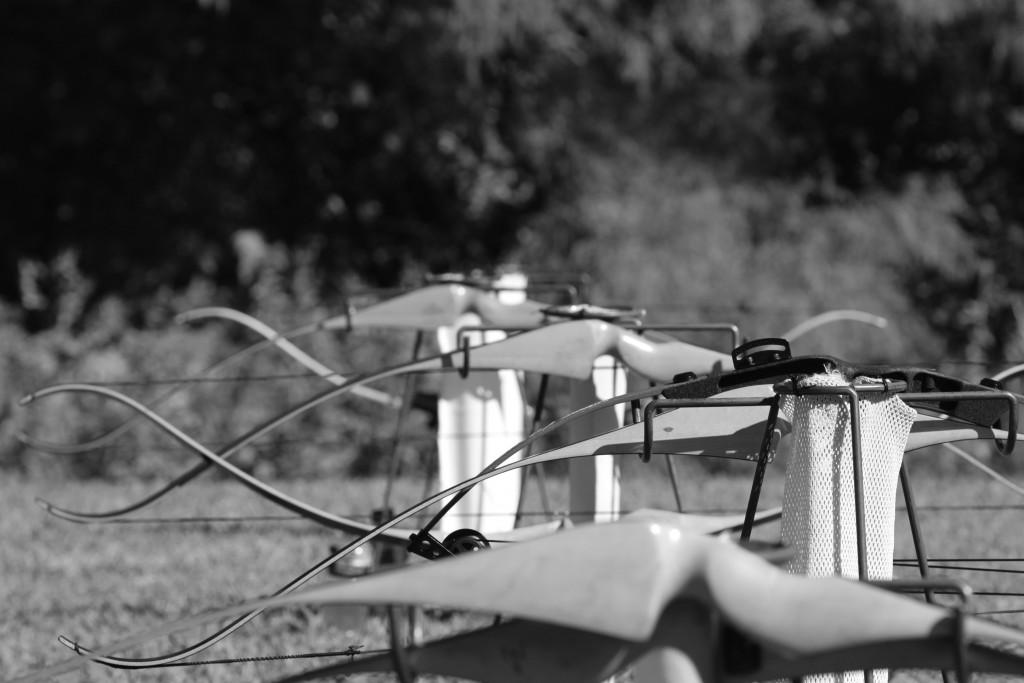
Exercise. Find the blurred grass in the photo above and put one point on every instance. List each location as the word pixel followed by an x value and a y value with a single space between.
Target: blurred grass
pixel 101 583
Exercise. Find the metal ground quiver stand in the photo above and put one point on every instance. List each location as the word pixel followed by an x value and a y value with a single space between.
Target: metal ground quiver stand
pixel 838 512
pixel 848 431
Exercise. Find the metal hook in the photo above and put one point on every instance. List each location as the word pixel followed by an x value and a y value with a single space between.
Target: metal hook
pixel 464 368
pixel 958 613
pixel 953 396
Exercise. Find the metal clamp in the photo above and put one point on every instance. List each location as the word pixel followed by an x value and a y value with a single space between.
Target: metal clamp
pixel 950 396
pixel 958 613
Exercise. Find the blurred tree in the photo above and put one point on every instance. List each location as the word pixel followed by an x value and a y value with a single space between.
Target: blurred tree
pixel 872 94
pixel 148 144
pixel 143 137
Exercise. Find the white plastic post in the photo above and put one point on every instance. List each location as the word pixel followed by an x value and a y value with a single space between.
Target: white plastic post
pixel 594 489
pixel 594 495
pixel 479 417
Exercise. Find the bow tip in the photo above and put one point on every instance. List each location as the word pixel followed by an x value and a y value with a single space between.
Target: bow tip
pixel 72 645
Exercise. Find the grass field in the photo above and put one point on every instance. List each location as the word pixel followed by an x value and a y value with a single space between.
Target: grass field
pixel 101 583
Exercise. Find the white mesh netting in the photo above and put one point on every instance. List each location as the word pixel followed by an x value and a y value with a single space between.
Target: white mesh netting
pixel 818 513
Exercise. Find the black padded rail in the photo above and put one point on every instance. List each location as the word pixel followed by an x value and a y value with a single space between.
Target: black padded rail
pixel 918 380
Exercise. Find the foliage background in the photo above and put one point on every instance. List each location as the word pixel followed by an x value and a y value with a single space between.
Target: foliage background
pixel 731 161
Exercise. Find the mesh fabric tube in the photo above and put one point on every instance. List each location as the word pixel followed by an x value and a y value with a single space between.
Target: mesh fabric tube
pixel 818 509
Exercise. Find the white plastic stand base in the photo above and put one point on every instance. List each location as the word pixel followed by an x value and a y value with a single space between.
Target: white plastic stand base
pixel 480 417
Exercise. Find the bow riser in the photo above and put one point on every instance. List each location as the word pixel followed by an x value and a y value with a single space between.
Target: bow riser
pixel 436 306
pixel 661 361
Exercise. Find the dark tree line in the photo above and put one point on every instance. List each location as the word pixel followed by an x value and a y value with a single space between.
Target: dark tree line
pixel 144 135
pixel 390 134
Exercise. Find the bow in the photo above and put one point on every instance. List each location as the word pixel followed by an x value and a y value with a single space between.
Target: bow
pixel 565 349
pixel 660 586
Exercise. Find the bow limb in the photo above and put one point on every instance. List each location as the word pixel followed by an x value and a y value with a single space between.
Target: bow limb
pixel 283 343
pixel 930 430
pixel 1009 373
pixel 115 513
pixel 835 316
pixel 109 436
